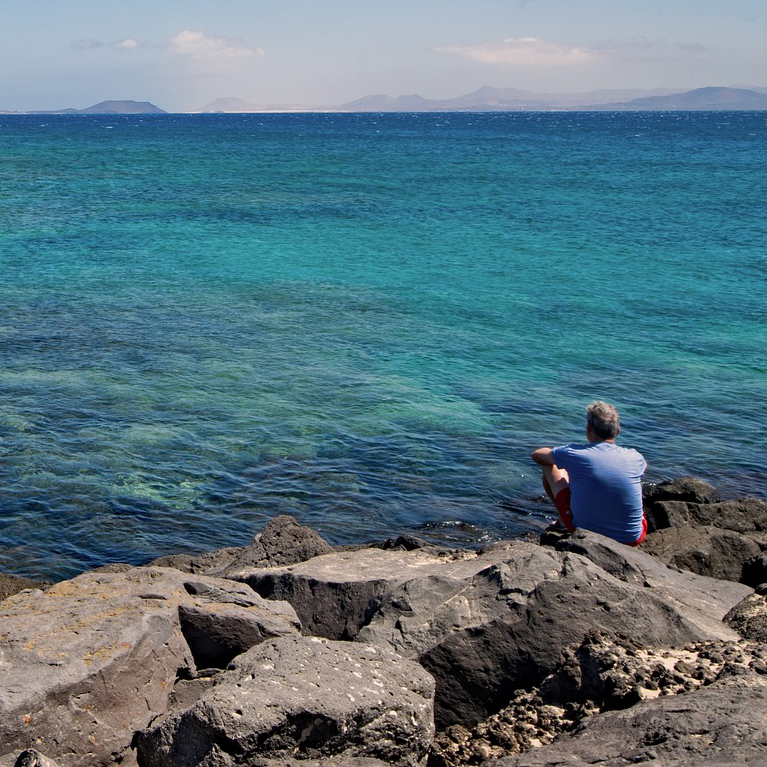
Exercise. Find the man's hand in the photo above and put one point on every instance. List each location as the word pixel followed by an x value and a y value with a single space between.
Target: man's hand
pixel 543 456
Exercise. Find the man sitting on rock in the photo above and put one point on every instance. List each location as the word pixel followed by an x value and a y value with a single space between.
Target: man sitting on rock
pixel 597 486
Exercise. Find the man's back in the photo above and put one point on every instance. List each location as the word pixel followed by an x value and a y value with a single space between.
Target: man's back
pixel 605 486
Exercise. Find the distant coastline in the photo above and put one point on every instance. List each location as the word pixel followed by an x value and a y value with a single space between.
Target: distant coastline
pixel 482 100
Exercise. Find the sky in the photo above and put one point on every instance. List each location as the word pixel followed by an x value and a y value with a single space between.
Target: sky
pixel 183 54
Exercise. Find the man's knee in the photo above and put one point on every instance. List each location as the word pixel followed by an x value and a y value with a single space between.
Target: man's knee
pixel 556 479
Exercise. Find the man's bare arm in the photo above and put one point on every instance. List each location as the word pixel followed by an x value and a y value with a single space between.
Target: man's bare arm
pixel 543 456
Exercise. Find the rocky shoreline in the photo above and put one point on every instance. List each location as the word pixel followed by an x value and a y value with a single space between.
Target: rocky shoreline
pixel 571 650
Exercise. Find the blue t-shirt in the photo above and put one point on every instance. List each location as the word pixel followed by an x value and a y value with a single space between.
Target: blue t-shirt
pixel 606 488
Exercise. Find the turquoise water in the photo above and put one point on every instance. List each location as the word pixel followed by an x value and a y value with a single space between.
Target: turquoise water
pixel 367 321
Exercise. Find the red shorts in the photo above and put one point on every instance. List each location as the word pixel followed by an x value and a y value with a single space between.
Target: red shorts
pixel 566 515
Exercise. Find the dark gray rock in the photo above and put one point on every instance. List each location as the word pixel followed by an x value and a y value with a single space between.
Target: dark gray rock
pixel 13 584
pixel 33 758
pixel 199 563
pixel 484 634
pixel 687 488
pixel 404 543
pixel 723 724
pixel 755 570
pixel 703 600
pixel 301 698
pixel 282 542
pixel 339 761
pixel 89 661
pixel 603 674
pixel 749 618
pixel 708 550
pixel 335 595
pixel 744 515
pixel 216 628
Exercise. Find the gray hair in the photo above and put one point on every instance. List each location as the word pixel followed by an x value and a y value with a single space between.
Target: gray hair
pixel 603 419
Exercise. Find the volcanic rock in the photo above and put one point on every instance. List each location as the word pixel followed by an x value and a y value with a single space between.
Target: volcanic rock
pixel 13 584
pixel 755 570
pixel 601 675
pixel 301 698
pixel 335 595
pixel 485 624
pixel 91 660
pixel 199 563
pixel 721 725
pixel 282 542
pixel 744 515
pixel 687 488
pixel 749 618
pixel 705 550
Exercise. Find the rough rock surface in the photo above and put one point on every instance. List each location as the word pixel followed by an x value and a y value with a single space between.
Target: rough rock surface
pixel 199 563
pixel 28 758
pixel 484 624
pixel 749 618
pixel 704 550
pixel 687 488
pixel 601 675
pixel 503 628
pixel 301 698
pixel 336 595
pixel 722 725
pixel 92 659
pixel 13 584
pixel 705 600
pixel 282 542
pixel 755 570
pixel 340 761
pixel 744 515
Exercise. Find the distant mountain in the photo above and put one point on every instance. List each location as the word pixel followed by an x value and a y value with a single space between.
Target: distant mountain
pixel 109 108
pixel 511 99
pixel 489 99
pixel 699 99
pixel 413 103
pixel 123 108
pixel 486 99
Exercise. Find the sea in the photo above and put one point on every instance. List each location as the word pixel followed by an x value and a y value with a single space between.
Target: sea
pixel 366 321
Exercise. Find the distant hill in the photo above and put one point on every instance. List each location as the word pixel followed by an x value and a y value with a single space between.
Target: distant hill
pixel 486 99
pixel 123 108
pixel 109 108
pixel 511 99
pixel 489 99
pixel 701 99
pixel 697 100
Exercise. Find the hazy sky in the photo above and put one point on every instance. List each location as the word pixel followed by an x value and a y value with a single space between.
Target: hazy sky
pixel 182 54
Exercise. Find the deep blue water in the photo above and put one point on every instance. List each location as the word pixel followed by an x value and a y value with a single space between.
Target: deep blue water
pixel 367 321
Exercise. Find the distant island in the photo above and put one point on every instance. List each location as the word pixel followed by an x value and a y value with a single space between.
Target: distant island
pixel 485 99
pixel 489 99
pixel 104 108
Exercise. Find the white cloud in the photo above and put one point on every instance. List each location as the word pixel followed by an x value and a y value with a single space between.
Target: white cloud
pixel 201 46
pixel 524 51
pixel 129 43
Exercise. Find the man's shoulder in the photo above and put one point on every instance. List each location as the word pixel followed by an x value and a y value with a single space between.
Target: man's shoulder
pixel 574 446
pixel 599 451
pixel 630 452
pixel 569 453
